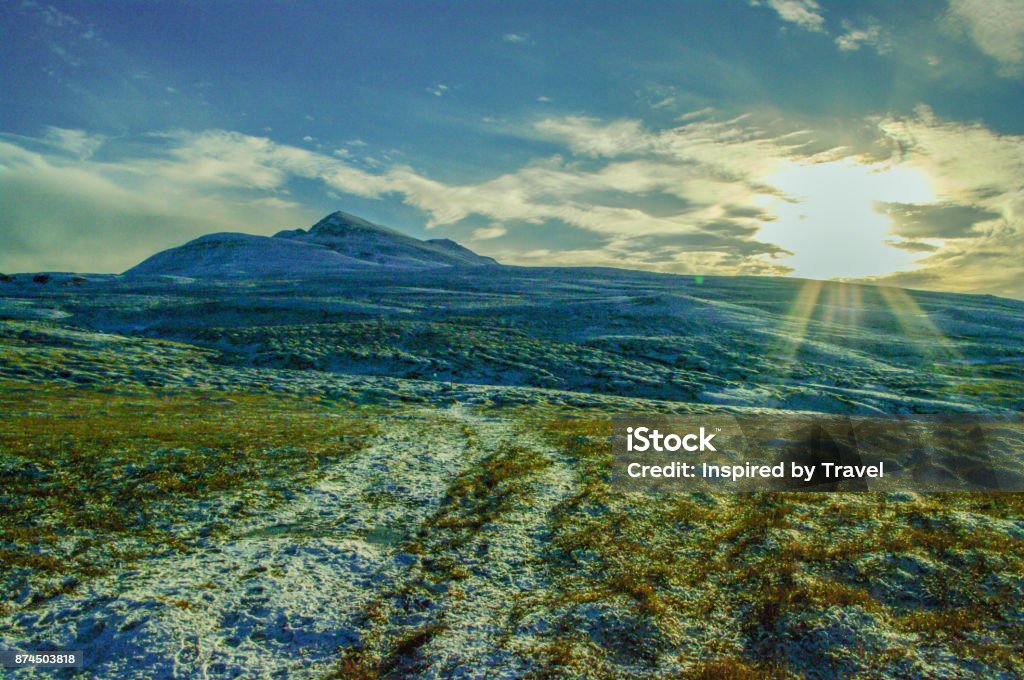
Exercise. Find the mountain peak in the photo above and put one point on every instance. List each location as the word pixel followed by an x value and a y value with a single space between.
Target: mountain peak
pixel 339 242
pixel 340 223
pixel 363 240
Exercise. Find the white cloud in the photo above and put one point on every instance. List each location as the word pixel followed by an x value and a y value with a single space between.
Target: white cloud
pixel 67 38
pixel 730 149
pixel 275 202
pixel 515 37
pixel 699 197
pixel 967 161
pixel 79 214
pixel 488 233
pixel 996 27
pixel 804 13
pixel 77 142
pixel 701 169
pixel 51 15
pixel 978 178
pixel 219 180
pixel 438 90
pixel 855 38
pixel 592 137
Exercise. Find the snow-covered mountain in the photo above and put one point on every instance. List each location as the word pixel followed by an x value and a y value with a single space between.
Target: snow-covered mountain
pixel 338 243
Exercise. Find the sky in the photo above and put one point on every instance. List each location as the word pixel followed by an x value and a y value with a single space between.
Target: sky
pixel 873 141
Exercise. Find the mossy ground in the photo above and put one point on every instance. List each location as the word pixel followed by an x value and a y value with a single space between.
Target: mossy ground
pixel 94 480
pixel 528 548
pixel 188 477
pixel 739 585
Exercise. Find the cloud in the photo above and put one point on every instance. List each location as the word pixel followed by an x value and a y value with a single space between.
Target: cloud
pixel 722 151
pixel 803 13
pixel 912 246
pixel 626 183
pixel 438 90
pixel 939 221
pixel 191 183
pixel 985 265
pixel 969 163
pixel 50 15
pixel 67 39
pixel 76 142
pixel 73 213
pixel 488 233
pixel 977 220
pixel 515 37
pixel 996 27
pixel 632 255
pixel 951 192
pixel 592 137
pixel 744 195
pixel 855 38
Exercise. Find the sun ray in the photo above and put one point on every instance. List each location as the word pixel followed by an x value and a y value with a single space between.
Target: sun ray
pixel 917 326
pixel 798 317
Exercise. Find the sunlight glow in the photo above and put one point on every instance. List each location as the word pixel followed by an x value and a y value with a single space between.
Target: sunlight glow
pixel 833 307
pixel 916 325
pixel 830 218
pixel 793 337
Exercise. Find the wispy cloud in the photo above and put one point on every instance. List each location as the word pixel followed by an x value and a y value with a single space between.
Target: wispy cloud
pixel 438 90
pixel 51 15
pixel 996 27
pixel 76 142
pixel 855 37
pixel 803 13
pixel 219 180
pixel 515 37
pixel 66 37
pixel 977 220
pixel 67 211
pixel 710 195
pixel 488 233
pixel 937 221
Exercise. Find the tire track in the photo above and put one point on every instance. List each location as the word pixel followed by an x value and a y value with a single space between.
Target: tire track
pixel 284 593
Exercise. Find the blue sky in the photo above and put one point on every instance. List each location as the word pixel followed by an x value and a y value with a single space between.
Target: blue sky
pixel 872 140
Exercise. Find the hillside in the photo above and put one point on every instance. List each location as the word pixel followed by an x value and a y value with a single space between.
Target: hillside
pixel 338 243
pixel 744 342
pixel 404 472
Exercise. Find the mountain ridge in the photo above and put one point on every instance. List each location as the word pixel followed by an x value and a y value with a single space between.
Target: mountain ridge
pixel 340 242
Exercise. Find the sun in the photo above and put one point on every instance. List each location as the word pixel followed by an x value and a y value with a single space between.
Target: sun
pixel 828 215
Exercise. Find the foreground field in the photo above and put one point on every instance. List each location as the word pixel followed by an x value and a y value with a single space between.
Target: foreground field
pixel 409 477
pixel 221 534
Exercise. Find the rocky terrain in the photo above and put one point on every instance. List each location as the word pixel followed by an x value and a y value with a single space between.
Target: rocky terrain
pixel 397 470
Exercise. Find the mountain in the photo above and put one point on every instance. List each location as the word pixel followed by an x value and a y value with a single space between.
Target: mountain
pixel 367 242
pixel 233 254
pixel 338 243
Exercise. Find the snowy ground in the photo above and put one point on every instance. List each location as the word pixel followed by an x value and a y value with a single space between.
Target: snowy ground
pixel 750 342
pixel 285 593
pixel 190 490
